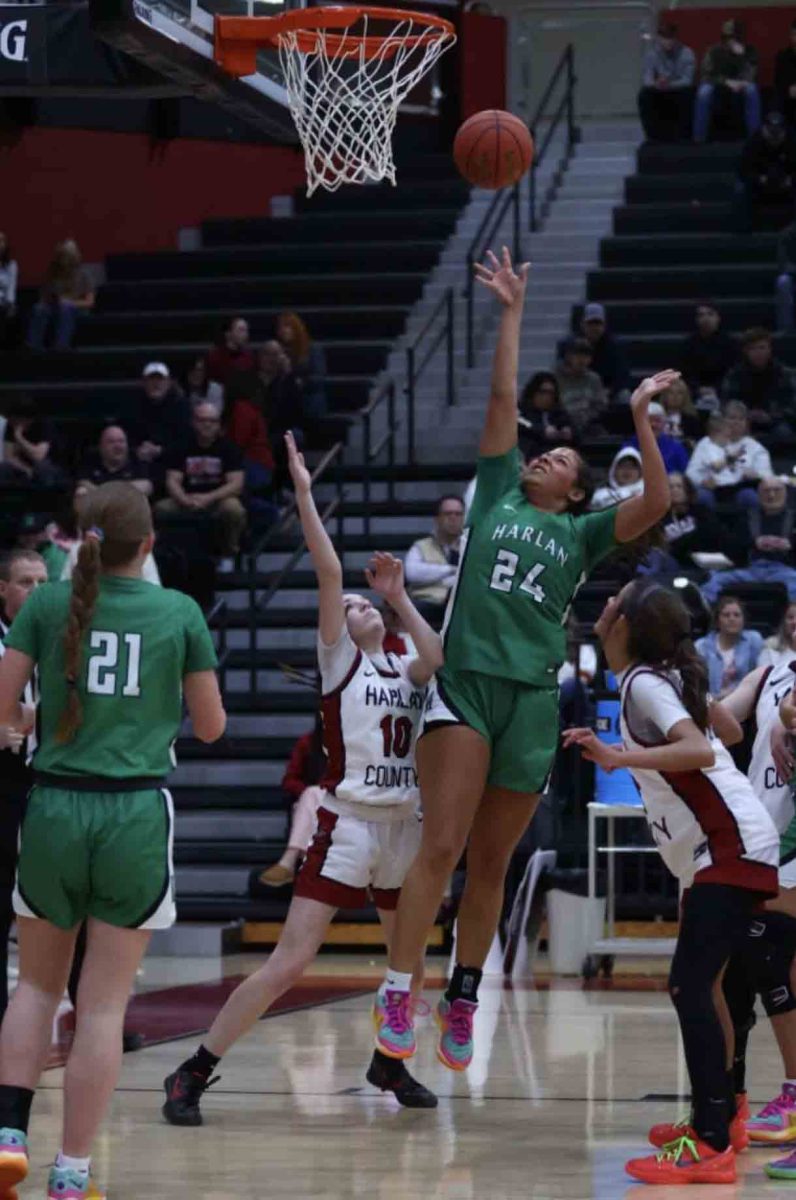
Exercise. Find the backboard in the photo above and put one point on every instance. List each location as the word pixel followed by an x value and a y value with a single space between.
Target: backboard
pixel 175 38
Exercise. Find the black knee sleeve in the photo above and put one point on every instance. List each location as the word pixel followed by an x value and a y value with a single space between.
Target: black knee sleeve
pixel 768 949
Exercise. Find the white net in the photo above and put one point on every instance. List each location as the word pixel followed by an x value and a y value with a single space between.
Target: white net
pixel 344 88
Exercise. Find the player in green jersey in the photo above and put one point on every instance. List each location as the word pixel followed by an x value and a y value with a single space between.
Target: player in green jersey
pixel 115 658
pixel 490 726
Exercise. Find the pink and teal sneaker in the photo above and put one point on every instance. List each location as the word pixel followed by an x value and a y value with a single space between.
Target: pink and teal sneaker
pixel 455 1020
pixel 782 1168
pixel 13 1159
pixel 66 1184
pixel 392 1018
pixel 776 1122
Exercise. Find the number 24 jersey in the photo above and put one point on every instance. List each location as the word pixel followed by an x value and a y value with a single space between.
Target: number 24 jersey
pixel 520 569
pixel 141 642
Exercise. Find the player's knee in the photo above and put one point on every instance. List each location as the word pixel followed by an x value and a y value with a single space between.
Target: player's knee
pixel 439 855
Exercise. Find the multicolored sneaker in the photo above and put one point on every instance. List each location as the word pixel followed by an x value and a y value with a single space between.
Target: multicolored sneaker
pixel 776 1122
pixel 66 1184
pixel 686 1160
pixel 662 1135
pixel 455 1020
pixel 782 1168
pixel 13 1159
pixel 392 1020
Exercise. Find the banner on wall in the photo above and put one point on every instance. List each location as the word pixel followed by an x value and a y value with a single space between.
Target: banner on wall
pixel 23 44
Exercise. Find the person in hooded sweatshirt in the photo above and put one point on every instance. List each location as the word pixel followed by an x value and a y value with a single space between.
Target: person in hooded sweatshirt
pixel 624 480
pixel 673 452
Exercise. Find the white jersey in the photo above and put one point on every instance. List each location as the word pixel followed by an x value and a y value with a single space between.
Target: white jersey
pixel 371 711
pixel 776 793
pixel 708 824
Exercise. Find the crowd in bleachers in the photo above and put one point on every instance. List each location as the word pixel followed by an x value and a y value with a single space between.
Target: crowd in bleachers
pixel 208 449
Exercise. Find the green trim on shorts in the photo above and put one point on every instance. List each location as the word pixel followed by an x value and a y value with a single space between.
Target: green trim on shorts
pixel 97 854
pixel 519 721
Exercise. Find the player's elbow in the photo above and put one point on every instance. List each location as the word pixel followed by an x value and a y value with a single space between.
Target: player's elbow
pixel 210 726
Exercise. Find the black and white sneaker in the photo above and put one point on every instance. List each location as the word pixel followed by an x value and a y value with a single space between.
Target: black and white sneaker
pixel 184 1090
pixel 390 1075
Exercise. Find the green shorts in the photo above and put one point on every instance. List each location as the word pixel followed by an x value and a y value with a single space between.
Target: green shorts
pixel 519 721
pixel 97 854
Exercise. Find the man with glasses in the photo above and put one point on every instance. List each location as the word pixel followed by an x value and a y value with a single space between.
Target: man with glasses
pixel 204 475
pixel 432 562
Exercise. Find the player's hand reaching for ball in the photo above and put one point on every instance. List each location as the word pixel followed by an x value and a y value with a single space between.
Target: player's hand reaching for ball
pixel 385 575
pixel 501 279
pixel 649 388
pixel 299 472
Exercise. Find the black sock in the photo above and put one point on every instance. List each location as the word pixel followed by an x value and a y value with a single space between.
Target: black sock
pixel 711 1121
pixel 203 1063
pixel 464 984
pixel 15 1105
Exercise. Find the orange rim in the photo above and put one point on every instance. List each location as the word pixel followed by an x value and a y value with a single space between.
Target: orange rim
pixel 237 39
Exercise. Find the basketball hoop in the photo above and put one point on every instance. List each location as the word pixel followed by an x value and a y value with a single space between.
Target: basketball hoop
pixel 347 71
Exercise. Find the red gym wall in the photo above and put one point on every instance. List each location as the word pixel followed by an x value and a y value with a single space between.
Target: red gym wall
pixel 483 63
pixel 767 29
pixel 116 192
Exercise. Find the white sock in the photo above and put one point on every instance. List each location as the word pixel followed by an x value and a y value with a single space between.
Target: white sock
pixel 81 1165
pixel 396 981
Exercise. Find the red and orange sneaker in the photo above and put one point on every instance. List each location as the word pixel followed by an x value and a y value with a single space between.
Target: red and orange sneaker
pixel 685 1160
pixel 662 1135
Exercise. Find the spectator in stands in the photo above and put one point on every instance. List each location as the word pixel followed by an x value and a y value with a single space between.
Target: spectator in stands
pixel 280 400
pixel 302 790
pixel 9 272
pixel 769 543
pixel 607 359
pixel 163 420
pixel 781 646
pixel 27 442
pixel 543 422
pixel 199 387
pixel 244 424
pixel 112 460
pixel 688 528
pixel 666 99
pixel 729 69
pixel 231 352
pixel 204 474
pixel 36 532
pixel 766 172
pixel 786 264
pixel 728 464
pixel 673 452
pixel 682 419
pixel 581 389
pixel 764 384
pixel 66 293
pixel 624 479
pixel 730 651
pixel 785 78
pixel 433 561
pixel 706 356
pixel 307 362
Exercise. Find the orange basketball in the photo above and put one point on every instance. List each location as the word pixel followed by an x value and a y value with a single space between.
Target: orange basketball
pixel 493 149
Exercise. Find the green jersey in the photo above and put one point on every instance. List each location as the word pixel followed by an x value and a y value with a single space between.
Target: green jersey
pixel 520 569
pixel 141 642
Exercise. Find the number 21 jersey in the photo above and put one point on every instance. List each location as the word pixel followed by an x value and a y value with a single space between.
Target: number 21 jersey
pixel 519 570
pixel 141 642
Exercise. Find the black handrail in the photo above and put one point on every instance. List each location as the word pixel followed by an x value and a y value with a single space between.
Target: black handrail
pixel 371 453
pixel 565 66
pixel 415 368
pixel 217 618
pixel 490 224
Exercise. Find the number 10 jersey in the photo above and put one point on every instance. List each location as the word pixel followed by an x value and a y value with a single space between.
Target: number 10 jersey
pixel 519 570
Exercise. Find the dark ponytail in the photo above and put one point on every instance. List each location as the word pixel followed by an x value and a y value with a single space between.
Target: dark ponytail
pixel 85 589
pixel 660 635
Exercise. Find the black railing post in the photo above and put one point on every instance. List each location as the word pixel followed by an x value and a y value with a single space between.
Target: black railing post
pixel 338 474
pixel 410 405
pixel 450 346
pixel 532 189
pixel 571 134
pixel 391 440
pixel 469 292
pixel 516 223
pixel 366 473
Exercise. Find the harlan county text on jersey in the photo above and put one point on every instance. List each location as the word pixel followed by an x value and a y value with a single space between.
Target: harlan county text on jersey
pixel 393 697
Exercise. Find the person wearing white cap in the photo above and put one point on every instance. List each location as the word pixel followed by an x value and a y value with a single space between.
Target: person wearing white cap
pixel 163 419
pixel 607 359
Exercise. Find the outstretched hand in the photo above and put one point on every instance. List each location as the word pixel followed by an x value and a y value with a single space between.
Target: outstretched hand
pixel 501 278
pixel 651 387
pixel 385 575
pixel 593 750
pixel 299 472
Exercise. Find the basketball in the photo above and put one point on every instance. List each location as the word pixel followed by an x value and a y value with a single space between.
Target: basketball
pixel 493 149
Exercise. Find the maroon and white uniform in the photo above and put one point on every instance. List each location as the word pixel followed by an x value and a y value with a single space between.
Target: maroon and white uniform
pixel 708 824
pixel 368 826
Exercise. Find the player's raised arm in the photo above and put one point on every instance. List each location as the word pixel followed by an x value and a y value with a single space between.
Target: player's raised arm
pixel 638 514
pixel 331 614
pixel 385 575
pixel 500 428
